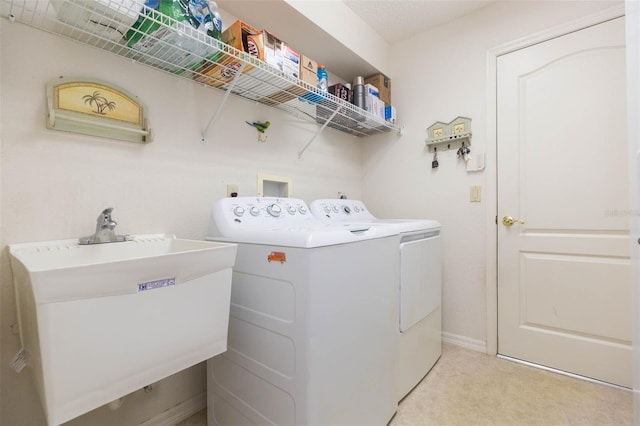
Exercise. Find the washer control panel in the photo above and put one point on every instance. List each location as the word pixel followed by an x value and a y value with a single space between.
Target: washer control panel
pixel 340 210
pixel 263 211
pixel 285 222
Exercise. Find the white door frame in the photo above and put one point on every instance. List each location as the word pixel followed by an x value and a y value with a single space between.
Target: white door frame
pixel 633 111
pixel 491 150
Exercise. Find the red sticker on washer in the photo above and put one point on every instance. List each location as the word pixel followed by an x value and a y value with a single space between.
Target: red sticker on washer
pixel 277 256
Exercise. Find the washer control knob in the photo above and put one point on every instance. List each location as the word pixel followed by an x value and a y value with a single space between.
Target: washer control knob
pixel 303 210
pixel 274 210
pixel 356 209
pixel 291 209
pixel 255 211
pixel 238 211
pixel 346 209
pixel 336 209
pixel 327 209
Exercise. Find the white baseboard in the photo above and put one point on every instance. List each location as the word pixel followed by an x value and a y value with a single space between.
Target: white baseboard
pixel 179 412
pixel 636 407
pixel 465 342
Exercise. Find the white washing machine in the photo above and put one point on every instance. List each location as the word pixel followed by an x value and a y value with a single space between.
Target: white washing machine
pixel 312 333
pixel 418 285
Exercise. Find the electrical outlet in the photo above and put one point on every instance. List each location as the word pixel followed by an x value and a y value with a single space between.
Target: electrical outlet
pixel 232 190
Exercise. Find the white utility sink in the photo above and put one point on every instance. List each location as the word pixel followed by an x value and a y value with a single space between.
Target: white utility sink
pixel 100 321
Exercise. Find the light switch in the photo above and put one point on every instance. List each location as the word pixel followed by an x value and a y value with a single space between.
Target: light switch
pixel 475 193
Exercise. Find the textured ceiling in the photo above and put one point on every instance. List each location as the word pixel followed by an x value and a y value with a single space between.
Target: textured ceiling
pixel 396 20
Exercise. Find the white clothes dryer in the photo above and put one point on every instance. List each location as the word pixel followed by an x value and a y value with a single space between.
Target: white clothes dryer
pixel 312 336
pixel 418 285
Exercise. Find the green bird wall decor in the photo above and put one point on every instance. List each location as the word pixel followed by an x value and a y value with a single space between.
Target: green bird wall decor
pixel 260 127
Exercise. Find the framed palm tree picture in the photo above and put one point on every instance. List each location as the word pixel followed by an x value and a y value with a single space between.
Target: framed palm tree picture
pixel 96 108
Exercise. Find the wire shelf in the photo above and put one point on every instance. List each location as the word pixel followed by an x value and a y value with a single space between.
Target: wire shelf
pixel 178 48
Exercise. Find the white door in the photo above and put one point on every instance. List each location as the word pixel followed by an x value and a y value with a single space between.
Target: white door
pixel 564 290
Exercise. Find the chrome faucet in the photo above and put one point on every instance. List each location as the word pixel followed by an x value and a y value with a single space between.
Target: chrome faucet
pixel 105 230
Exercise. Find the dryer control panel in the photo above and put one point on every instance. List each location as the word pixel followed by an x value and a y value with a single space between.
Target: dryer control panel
pixel 340 210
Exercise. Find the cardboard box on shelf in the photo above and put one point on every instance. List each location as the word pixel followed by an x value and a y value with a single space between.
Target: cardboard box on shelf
pixel 222 67
pixel 283 96
pixel 374 105
pixel 383 83
pixel 370 89
pixel 272 50
pixel 290 61
pixel 219 71
pixel 308 70
pixel 244 37
pixel 340 91
pixel 390 114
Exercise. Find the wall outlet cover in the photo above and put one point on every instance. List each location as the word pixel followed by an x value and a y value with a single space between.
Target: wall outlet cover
pixel 232 188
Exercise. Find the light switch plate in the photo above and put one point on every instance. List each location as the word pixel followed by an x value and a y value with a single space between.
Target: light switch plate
pixel 475 193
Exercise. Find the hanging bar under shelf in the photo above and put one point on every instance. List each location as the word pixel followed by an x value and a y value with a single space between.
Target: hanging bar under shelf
pixel 221 105
pixel 317 133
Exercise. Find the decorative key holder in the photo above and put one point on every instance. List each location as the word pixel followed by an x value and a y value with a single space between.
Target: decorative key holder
pixel 452 135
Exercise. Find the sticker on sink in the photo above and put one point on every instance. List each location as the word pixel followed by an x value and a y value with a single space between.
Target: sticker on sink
pixel 152 285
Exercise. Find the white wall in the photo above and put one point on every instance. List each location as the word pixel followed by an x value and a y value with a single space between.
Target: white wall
pixel 439 75
pixel 54 184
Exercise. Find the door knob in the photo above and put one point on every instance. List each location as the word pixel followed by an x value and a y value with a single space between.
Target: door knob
pixel 509 221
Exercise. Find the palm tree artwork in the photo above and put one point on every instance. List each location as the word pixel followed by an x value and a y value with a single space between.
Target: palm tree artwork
pixel 101 103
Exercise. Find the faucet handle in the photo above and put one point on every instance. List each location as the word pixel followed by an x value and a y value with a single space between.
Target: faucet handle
pixel 105 215
pixel 105 219
pixel 105 227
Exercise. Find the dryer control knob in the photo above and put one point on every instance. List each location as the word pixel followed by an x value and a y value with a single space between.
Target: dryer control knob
pixel 291 209
pixel 356 209
pixel 327 209
pixel 336 209
pixel 274 210
pixel 255 211
pixel 302 210
pixel 346 209
pixel 238 211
